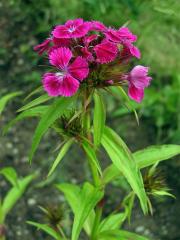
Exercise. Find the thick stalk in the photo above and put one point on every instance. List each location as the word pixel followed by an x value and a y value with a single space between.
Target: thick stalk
pixel 87 126
pixel 2 232
pixel 94 171
pixel 96 222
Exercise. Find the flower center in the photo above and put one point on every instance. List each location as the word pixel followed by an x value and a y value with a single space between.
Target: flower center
pixel 72 29
pixel 60 75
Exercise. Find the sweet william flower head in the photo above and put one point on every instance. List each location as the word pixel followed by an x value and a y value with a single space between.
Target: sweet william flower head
pixel 89 55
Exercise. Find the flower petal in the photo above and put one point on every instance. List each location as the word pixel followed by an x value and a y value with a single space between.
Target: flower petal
pixel 138 77
pixel 69 86
pixel 136 94
pixel 106 52
pixel 97 26
pixel 79 68
pixel 61 42
pixel 80 31
pixel 135 51
pixel 125 33
pixel 60 31
pixel 60 57
pixel 42 47
pixel 88 39
pixel 51 84
pixel 113 35
pixel 75 22
pixel 87 54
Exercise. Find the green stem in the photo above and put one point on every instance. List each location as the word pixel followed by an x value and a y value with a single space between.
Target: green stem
pixel 96 222
pixel 2 231
pixel 94 171
pixel 87 126
pixel 61 232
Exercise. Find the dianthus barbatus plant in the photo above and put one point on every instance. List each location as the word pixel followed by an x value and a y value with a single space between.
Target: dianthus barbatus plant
pixel 86 62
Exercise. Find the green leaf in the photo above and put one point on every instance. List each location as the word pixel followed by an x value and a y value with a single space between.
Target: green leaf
pixel 99 118
pixel 35 102
pixel 90 196
pixel 61 154
pixel 15 194
pixel 124 161
pixel 33 112
pixel 37 90
pixel 120 234
pixel 112 222
pixel 73 196
pixel 162 193
pixel 91 155
pixel 82 202
pixel 110 173
pixel 5 99
pixel 10 174
pixel 144 158
pixel 47 229
pixel 55 111
pixel 155 154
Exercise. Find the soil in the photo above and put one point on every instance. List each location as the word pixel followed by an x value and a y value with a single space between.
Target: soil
pixel 14 149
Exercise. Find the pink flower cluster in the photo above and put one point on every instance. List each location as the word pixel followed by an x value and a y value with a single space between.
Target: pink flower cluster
pixel 79 48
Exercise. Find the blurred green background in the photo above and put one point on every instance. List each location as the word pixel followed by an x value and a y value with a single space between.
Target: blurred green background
pixel 25 23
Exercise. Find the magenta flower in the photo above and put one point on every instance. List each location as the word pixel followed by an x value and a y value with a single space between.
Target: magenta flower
pixel 61 42
pixel 87 54
pixel 125 37
pixel 72 29
pixel 65 82
pixel 138 80
pixel 87 49
pixel 42 47
pixel 106 52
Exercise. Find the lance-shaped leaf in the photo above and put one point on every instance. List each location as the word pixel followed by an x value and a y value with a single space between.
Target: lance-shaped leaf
pixel 5 99
pixel 33 112
pixel 43 98
pixel 90 196
pixel 15 193
pixel 124 161
pixel 144 158
pixel 120 234
pixel 73 196
pixel 82 202
pixel 47 229
pixel 110 173
pixel 154 154
pixel 61 154
pixel 35 91
pixel 10 174
pixel 112 222
pixel 91 155
pixel 55 111
pixel 99 118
